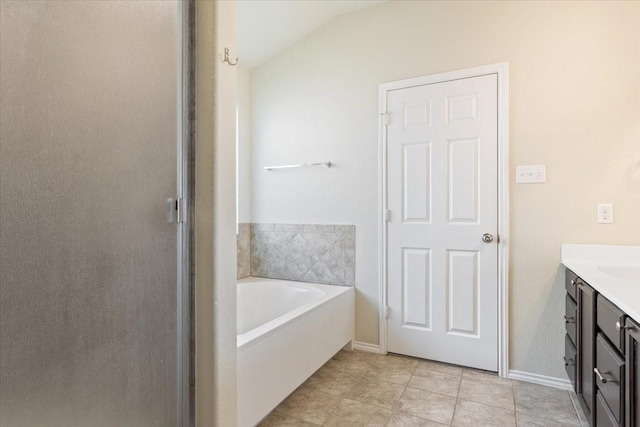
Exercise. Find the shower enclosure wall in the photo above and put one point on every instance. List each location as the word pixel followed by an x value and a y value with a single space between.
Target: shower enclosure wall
pixel 92 297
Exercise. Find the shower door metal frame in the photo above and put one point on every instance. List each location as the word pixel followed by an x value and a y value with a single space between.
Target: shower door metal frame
pixel 183 228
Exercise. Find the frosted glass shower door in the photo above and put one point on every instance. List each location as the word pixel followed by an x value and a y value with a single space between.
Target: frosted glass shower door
pixel 89 153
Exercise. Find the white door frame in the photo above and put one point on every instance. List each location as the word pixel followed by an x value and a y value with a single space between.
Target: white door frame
pixel 502 71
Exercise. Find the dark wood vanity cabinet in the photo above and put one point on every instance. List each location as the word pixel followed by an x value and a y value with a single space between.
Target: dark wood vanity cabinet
pixel 602 352
pixel 570 323
pixel 586 349
pixel 610 366
pixel 632 383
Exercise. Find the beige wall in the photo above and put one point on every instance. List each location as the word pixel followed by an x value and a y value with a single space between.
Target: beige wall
pixel 215 216
pixel 244 143
pixel 574 106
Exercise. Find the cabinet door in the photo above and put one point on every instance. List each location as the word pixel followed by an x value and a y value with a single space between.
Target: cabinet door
pixel 586 348
pixel 610 374
pixel 603 416
pixel 633 376
pixel 570 318
pixel 570 355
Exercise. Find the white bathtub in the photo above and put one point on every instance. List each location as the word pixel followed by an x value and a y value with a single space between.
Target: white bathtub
pixel 286 331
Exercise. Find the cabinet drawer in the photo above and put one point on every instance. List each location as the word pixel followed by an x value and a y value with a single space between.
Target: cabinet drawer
pixel 570 357
pixel 604 417
pixel 570 282
pixel 609 317
pixel 570 317
pixel 609 370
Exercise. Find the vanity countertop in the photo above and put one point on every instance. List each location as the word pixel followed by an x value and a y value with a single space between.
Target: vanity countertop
pixel 613 271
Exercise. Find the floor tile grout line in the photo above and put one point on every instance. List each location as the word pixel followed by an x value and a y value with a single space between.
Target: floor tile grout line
pixel 455 405
pixel 470 399
pixel 455 408
pixel 289 416
pixel 377 362
pixel 367 371
pixel 355 382
pixel 396 406
pixel 544 415
pixel 489 404
pixel 513 397
pixel 334 410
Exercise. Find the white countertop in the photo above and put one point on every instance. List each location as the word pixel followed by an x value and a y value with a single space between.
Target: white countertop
pixel 613 271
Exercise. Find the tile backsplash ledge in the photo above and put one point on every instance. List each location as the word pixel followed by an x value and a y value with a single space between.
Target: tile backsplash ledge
pixel 317 253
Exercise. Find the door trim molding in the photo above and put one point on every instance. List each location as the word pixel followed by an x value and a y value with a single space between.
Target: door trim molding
pixel 502 72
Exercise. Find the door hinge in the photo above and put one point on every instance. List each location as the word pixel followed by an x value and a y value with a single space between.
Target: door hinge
pixel 385 118
pixel 386 312
pixel 387 215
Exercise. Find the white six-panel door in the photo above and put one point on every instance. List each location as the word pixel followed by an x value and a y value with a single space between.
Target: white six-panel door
pixel 442 278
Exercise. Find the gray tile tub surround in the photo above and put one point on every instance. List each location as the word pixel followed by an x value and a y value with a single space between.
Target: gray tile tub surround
pixel 304 252
pixel 244 250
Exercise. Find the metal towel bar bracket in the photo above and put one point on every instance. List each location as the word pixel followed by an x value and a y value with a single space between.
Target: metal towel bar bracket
pixel 303 165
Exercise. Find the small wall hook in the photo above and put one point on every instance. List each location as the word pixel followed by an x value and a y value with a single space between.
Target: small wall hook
pixel 226 57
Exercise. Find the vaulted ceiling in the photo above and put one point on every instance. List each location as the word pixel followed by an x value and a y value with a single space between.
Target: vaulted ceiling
pixel 266 27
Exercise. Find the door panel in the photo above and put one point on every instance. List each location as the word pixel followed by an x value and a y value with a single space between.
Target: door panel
pixel 463 181
pixel 417 182
pixel 88 157
pixel 462 108
pixel 442 177
pixel 462 292
pixel 416 288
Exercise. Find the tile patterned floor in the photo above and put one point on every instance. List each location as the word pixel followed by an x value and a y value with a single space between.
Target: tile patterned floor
pixel 366 389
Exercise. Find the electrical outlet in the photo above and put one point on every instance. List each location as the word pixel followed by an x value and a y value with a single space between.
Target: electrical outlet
pixel 605 213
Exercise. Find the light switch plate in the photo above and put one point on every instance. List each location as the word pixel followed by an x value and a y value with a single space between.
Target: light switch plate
pixel 531 174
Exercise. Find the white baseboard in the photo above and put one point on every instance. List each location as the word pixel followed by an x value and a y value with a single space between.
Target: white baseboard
pixel 540 379
pixel 559 383
pixel 373 348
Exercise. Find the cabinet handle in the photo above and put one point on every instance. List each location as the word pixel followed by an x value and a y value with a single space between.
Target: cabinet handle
pixel 568 362
pixel 569 319
pixel 621 327
pixel 573 281
pixel 600 376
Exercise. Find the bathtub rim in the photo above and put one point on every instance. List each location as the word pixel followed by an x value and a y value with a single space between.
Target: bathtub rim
pixel 270 328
